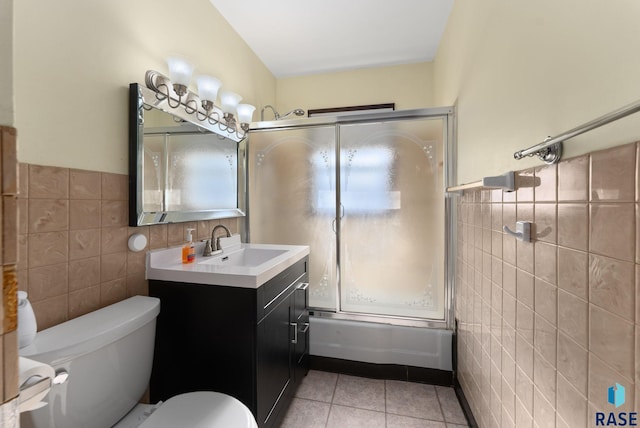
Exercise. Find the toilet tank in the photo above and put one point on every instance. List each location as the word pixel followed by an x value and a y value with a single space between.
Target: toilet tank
pixel 108 355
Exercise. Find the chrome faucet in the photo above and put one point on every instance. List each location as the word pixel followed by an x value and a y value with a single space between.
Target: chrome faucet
pixel 213 246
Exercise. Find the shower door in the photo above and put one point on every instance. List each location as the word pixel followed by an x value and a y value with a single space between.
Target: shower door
pixel 392 218
pixel 292 199
pixel 368 199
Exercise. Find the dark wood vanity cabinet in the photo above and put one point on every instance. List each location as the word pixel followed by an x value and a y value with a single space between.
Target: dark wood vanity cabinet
pixel 252 344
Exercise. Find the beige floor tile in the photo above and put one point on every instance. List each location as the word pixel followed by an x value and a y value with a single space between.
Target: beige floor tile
pixel 397 421
pixel 306 413
pixel 362 402
pixel 413 399
pixel 450 405
pixel 342 417
pixel 360 392
pixel 318 385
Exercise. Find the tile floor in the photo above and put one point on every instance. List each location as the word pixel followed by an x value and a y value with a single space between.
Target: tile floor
pixel 331 400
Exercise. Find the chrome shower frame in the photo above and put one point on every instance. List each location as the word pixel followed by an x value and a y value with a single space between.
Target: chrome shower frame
pixel 447 114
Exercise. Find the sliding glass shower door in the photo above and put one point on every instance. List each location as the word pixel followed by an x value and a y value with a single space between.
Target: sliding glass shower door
pixel 392 219
pixel 368 199
pixel 292 199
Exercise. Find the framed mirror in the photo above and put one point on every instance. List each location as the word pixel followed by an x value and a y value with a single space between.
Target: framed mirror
pixel 180 170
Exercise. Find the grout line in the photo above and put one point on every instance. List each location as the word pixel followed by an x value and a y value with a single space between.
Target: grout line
pixel 335 387
pixel 333 394
pixel 386 421
pixel 440 404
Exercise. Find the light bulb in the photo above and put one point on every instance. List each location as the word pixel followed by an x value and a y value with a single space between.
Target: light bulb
pixel 245 113
pixel 180 74
pixel 229 102
pixel 208 90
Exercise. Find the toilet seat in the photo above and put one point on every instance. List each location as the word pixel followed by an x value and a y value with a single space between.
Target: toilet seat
pixel 202 409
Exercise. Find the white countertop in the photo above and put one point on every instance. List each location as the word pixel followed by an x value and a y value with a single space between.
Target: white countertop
pixel 166 264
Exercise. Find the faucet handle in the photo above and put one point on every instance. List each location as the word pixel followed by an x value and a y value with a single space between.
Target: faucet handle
pixel 207 249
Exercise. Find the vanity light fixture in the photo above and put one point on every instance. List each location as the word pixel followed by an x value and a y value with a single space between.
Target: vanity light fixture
pixel 175 89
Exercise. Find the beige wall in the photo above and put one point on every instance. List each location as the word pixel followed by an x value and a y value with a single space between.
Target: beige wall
pixel 408 86
pixel 6 64
pixel 521 71
pixel 75 60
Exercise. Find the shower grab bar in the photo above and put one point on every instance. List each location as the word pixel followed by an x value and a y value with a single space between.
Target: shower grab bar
pixel 550 150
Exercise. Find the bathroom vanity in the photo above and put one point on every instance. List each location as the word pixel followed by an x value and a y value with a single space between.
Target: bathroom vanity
pixel 249 341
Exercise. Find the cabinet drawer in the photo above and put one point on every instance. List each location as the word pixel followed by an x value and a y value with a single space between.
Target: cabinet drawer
pixel 270 293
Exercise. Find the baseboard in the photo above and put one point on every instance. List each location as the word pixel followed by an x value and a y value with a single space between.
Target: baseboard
pixel 382 371
pixel 462 399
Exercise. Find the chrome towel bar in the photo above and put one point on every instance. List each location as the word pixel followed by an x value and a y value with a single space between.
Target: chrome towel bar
pixel 550 150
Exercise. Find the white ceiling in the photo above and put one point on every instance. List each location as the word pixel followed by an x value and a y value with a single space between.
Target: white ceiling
pixel 296 37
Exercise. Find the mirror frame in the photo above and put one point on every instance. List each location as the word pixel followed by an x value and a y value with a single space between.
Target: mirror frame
pixel 139 96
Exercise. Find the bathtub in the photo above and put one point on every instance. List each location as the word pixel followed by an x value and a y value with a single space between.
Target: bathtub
pixel 380 343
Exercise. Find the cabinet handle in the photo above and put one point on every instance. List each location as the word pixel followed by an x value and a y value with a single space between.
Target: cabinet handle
pixel 303 286
pixel 306 328
pixel 295 332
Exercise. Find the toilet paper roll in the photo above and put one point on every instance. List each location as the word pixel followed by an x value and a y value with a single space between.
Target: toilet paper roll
pixel 30 373
pixel 29 368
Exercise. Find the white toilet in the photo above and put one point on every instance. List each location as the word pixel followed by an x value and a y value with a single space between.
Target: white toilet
pixel 107 355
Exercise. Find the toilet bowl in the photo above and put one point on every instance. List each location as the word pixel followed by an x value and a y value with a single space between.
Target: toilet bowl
pixel 107 355
pixel 202 409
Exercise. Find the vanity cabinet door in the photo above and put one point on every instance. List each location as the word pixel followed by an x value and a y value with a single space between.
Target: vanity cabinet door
pixel 205 341
pixel 274 368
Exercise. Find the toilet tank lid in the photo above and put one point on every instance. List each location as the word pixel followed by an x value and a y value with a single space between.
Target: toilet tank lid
pixel 93 330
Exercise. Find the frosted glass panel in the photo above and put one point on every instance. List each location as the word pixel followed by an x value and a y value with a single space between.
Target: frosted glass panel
pixel 292 178
pixel 392 218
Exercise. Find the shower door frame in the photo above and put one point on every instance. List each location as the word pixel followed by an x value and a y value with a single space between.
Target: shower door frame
pixel 447 114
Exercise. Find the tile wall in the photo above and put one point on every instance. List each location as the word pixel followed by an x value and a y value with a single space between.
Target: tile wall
pixel 545 328
pixel 72 241
pixel 8 296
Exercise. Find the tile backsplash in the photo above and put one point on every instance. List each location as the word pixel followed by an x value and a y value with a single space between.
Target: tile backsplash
pixel 72 241
pixel 546 327
pixel 8 292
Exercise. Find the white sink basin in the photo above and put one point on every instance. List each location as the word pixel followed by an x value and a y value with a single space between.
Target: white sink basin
pixel 239 265
pixel 248 257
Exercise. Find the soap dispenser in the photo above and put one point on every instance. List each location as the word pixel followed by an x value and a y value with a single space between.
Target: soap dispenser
pixel 188 249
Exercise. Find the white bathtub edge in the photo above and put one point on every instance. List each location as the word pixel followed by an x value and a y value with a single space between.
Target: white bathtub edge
pixel 381 343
